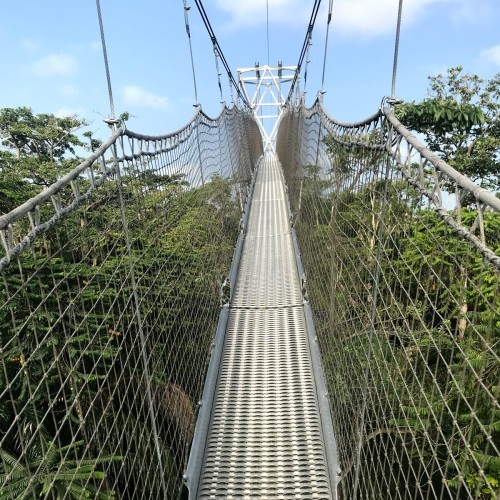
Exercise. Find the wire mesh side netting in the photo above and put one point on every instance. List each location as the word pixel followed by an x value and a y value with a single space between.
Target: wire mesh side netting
pixel 109 300
pixel 401 256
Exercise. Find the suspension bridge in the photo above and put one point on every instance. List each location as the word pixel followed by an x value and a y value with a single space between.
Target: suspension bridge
pixel 267 304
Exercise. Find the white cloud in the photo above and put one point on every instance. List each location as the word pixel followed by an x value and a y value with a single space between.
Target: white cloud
pixel 350 17
pixel 472 11
pixel 69 90
pixel 63 112
pixel 492 54
pixel 366 17
pixel 137 96
pixel 253 12
pixel 28 45
pixel 54 64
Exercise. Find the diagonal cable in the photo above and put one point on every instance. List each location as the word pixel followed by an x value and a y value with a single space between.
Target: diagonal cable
pixel 305 45
pixel 215 42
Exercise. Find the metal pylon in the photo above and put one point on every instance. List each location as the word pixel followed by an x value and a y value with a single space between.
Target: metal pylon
pixel 267 98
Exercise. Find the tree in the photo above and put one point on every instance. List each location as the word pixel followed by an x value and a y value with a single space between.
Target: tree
pixel 460 121
pixel 67 319
pixel 37 148
pixel 425 357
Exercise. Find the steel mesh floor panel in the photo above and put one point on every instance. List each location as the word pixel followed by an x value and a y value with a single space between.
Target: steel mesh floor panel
pixel 265 438
pixel 269 215
pixel 269 183
pixel 267 275
pixel 268 218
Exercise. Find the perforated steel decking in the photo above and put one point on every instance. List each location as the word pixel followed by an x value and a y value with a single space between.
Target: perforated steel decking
pixel 265 437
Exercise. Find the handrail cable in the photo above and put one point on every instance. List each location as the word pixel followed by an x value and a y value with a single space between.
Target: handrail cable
pixel 211 33
pixel 307 38
pixel 188 32
pixel 326 45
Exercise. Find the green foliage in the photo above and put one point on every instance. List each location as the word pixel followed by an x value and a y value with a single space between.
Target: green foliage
pixel 36 150
pixel 44 136
pixel 82 338
pixel 442 116
pixel 52 471
pixel 72 380
pixel 460 122
pixel 433 340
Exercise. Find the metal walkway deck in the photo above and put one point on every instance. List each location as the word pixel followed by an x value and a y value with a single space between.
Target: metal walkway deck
pixel 265 437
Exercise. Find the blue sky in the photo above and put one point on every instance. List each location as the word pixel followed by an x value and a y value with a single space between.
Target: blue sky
pixel 52 61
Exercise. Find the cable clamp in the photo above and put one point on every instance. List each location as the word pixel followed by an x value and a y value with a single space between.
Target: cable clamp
pixel 225 292
pixel 392 101
pixel 112 121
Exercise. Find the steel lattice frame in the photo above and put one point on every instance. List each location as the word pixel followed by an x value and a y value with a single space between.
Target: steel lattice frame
pixel 267 99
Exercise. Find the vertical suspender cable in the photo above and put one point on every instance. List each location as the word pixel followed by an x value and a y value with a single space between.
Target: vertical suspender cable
pixel 361 424
pixel 330 5
pixel 188 31
pixel 211 33
pixel 310 28
pixel 106 64
pixel 267 24
pixel 231 90
pixel 216 53
pixel 396 51
pixel 326 45
pixel 374 301
pixel 197 104
pixel 309 43
pixel 144 358
pixel 142 338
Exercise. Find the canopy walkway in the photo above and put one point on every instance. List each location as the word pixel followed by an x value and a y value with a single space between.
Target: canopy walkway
pixel 265 432
pixel 162 336
pixel 118 287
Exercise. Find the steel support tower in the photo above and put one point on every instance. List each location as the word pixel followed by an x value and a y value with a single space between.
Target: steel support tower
pixel 263 87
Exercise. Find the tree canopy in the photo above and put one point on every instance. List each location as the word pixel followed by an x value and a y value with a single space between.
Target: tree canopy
pixel 36 149
pixel 460 121
pixel 67 318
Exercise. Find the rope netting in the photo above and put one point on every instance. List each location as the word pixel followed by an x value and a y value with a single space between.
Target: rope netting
pixel 109 300
pixel 401 255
